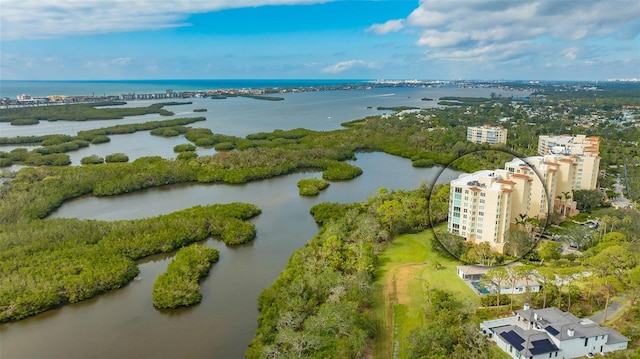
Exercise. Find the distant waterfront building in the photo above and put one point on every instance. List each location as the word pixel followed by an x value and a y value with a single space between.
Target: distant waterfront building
pixel 24 97
pixel 487 134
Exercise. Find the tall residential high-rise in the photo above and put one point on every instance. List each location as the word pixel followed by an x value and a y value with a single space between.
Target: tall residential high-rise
pixel 487 134
pixel 483 204
pixel 584 148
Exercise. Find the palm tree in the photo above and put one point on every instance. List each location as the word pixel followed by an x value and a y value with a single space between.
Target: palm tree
pixel 567 197
pixel 513 274
pixel 545 277
pixel 521 219
pixel 497 276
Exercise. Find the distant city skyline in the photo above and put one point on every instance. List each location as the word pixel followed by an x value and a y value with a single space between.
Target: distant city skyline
pixel 309 39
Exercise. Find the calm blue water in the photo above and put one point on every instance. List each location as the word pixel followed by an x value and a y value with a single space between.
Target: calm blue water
pixel 12 89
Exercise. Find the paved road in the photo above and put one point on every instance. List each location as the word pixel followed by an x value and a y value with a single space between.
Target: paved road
pixel 620 201
pixel 615 306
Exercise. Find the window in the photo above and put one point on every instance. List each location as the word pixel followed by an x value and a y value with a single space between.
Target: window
pixel 458 190
pixel 483 194
pixel 586 341
pixel 456 208
pixel 482 200
pixel 480 213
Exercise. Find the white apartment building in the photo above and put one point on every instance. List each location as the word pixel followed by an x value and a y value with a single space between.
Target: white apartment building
pixel 586 151
pixel 487 134
pixel 483 204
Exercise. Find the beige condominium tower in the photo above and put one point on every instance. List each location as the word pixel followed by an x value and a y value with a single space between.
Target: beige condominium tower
pixel 484 205
pixel 492 135
pixel 584 149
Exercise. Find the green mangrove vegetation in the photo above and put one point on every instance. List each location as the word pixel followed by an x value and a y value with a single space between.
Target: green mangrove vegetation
pixel 82 112
pixel 263 97
pixel 322 306
pixel 92 160
pixel 24 122
pixel 58 144
pixel 180 285
pixel 185 147
pixel 47 263
pixel 116 157
pixel 311 186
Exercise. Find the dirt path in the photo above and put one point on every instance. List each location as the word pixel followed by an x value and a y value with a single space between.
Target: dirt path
pixel 395 291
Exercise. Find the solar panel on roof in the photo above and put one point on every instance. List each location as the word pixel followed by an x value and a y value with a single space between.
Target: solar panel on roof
pixel 551 330
pixel 542 346
pixel 513 338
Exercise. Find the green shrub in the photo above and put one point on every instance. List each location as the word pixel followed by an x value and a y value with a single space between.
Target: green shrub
pixel 186 155
pixel 224 146
pixel 185 147
pixel 423 163
pixel 116 157
pixel 237 232
pixel 24 122
pixel 52 140
pixel 336 171
pixel 53 159
pixel 5 162
pixel 92 160
pixel 179 285
pixel 311 186
pixel 205 142
pixel 18 154
pixel 100 139
pixel 170 133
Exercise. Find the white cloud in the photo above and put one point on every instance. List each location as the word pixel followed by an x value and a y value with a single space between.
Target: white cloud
pixel 387 27
pixel 469 30
pixel 570 53
pixel 120 61
pixel 435 38
pixel 42 19
pixel 347 65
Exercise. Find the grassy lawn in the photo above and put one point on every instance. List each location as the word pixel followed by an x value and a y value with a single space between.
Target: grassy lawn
pixel 406 267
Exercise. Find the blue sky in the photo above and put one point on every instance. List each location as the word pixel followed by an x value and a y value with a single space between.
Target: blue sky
pixel 299 39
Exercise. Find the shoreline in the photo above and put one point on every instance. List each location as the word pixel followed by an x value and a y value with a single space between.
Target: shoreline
pixel 247 88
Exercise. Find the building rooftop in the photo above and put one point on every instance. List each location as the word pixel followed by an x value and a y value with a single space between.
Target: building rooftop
pixel 562 325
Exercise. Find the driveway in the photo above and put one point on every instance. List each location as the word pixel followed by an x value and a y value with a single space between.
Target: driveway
pixel 615 306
